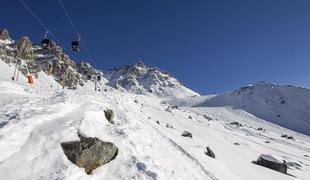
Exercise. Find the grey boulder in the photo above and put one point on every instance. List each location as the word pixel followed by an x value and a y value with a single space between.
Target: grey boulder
pixel 271 162
pixel 89 153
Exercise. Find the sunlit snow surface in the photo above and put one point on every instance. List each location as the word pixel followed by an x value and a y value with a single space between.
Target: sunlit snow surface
pixel 35 119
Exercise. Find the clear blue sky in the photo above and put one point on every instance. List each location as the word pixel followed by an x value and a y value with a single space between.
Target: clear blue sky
pixel 209 45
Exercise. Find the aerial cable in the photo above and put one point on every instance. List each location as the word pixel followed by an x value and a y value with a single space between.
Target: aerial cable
pixel 68 16
pixel 43 26
pixel 75 29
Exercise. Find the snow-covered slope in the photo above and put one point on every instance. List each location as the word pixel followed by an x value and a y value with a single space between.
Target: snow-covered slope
pixel 142 79
pixel 287 106
pixel 35 119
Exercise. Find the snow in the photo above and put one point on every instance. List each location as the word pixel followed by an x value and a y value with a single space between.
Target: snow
pixel 36 119
pixel 287 106
pixel 271 158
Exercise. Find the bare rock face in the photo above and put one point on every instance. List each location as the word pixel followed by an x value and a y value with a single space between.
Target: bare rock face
pixel 89 153
pixel 271 162
pixel 109 115
pixel 24 48
pixel 4 34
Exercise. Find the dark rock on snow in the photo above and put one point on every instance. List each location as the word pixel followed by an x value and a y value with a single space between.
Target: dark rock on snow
pixel 169 126
pixel 187 134
pixel 209 152
pixel 235 123
pixel 271 162
pixel 89 153
pixel 109 115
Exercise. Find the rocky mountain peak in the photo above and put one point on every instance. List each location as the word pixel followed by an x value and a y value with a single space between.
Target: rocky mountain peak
pixel 4 34
pixel 24 48
pixel 141 78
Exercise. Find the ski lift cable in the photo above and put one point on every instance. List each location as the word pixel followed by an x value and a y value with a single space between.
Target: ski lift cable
pixel 75 29
pixel 42 24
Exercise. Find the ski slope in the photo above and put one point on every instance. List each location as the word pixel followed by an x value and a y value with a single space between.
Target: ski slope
pixel 36 119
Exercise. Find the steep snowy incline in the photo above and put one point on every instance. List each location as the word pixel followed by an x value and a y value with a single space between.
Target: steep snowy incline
pixel 287 106
pixel 36 119
pixel 142 79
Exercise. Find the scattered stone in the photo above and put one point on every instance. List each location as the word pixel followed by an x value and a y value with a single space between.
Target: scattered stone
pixel 235 123
pixel 169 126
pixel 109 115
pixel 149 117
pixel 209 152
pixel 278 115
pixel 157 122
pixel 136 101
pixel 208 118
pixel 186 134
pixel 89 153
pixel 286 136
pixel 267 142
pixel 271 162
pixel 190 117
pixel 175 107
pixel 290 137
pixel 306 155
pixel 236 144
pixel 168 109
pixel 260 129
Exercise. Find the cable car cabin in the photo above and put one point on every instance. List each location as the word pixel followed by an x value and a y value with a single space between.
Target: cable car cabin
pixel 75 46
pixel 45 43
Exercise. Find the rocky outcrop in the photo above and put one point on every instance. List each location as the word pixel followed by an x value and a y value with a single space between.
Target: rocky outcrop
pixel 140 78
pixel 109 115
pixel 24 48
pixel 271 162
pixel 89 153
pixel 4 34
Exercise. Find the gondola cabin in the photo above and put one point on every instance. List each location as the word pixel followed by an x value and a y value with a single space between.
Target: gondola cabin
pixel 75 46
pixel 45 43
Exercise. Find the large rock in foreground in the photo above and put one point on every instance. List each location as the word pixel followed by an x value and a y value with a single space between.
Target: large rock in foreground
pixel 271 162
pixel 89 153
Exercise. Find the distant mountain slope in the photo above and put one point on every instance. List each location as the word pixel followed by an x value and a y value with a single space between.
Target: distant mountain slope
pixel 142 79
pixel 287 106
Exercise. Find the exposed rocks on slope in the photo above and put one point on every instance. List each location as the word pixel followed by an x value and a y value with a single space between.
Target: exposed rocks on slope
pixel 187 134
pixel 209 152
pixel 271 162
pixel 24 48
pixel 236 124
pixel 89 153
